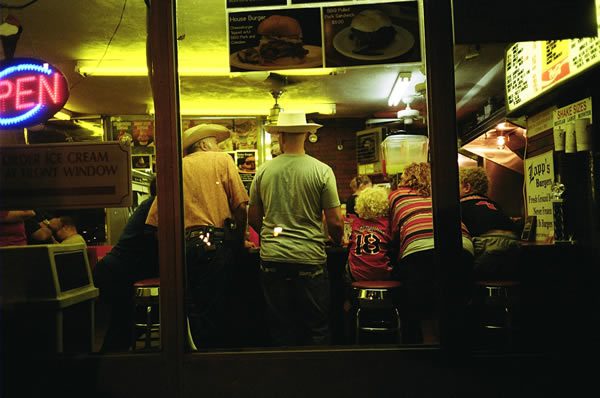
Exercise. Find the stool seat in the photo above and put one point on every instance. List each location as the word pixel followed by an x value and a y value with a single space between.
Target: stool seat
pixel 146 299
pixel 378 299
pixel 150 282
pixel 376 284
pixel 147 287
pixel 498 283
pixel 497 304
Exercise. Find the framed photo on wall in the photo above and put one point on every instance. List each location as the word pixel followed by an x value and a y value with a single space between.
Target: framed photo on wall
pixel 141 161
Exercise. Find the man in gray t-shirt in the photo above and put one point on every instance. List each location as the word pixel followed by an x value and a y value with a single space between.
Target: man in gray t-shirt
pixel 288 198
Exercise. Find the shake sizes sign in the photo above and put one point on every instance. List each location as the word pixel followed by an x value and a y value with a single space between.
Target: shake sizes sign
pixel 31 92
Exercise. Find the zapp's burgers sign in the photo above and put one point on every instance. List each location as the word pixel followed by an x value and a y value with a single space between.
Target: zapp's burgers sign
pixel 31 92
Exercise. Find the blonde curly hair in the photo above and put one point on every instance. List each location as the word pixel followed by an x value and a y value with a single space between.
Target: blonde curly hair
pixel 417 176
pixel 372 203
pixel 476 177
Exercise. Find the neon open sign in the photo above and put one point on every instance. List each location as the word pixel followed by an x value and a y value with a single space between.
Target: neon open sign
pixel 31 92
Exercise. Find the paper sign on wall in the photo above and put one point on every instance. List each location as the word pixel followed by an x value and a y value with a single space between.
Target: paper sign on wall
pixel 539 178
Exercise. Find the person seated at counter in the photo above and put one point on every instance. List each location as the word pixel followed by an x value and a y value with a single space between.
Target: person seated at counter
pixel 38 229
pixel 495 237
pixel 412 231
pixel 370 240
pixel 64 229
pixel 133 258
pixel 357 184
pixel 12 227
pixel 369 246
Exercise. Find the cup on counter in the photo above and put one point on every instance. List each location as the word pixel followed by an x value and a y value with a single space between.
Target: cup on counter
pixel 559 138
pixel 347 231
pixel 570 146
pixel 583 134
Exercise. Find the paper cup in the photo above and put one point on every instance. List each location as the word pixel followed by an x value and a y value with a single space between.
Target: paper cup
pixel 582 134
pixel 570 146
pixel 559 139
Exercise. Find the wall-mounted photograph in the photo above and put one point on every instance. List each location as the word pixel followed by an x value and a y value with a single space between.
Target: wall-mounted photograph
pixel 369 34
pixel 275 39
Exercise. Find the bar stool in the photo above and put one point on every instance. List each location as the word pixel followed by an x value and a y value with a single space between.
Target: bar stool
pixel 376 308
pixel 146 304
pixel 497 307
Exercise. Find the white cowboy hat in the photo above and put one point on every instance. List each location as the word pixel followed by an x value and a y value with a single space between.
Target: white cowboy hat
pixel 201 131
pixel 292 122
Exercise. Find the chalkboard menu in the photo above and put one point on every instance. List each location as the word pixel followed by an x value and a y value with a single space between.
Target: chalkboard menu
pixel 533 68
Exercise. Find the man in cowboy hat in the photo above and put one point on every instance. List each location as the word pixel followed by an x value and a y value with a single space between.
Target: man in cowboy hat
pixel 287 199
pixel 214 201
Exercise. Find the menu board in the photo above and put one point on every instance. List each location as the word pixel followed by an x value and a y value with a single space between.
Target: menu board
pixel 539 178
pixel 370 34
pixel 338 36
pixel 533 68
pixel 254 3
pixel 255 39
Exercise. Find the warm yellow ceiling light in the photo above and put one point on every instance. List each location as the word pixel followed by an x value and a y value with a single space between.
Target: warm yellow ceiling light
pixel 255 109
pixel 126 67
pixel 118 67
pixel 60 115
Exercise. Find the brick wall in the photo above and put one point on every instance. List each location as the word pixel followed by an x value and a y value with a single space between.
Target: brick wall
pixel 343 162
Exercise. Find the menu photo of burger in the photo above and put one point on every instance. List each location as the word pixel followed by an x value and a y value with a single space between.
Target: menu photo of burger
pixel 279 43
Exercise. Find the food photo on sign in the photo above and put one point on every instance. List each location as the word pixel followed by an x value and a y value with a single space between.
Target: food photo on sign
pixel 275 39
pixel 371 34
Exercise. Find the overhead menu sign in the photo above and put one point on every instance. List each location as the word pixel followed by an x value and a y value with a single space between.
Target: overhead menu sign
pixel 63 176
pixel 533 68
pixel 335 36
pixel 254 3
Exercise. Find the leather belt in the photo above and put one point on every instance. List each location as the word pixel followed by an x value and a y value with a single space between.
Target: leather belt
pixel 201 231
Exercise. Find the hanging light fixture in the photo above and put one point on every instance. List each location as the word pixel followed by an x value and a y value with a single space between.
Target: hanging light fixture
pixel 274 111
pixel 501 140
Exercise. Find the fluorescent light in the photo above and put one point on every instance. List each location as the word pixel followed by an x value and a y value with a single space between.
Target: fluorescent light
pixel 483 82
pixel 60 115
pixel 125 67
pixel 118 67
pixel 256 109
pixel 400 87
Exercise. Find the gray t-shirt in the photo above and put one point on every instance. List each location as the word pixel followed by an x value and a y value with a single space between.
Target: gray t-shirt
pixel 293 191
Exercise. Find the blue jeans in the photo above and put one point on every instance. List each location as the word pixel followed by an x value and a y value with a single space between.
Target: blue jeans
pixel 297 298
pixel 209 276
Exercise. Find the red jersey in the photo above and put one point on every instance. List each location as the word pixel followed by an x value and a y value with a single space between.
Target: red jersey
pixel 368 251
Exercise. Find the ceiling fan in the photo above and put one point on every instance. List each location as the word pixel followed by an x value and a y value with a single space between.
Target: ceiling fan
pixel 408 115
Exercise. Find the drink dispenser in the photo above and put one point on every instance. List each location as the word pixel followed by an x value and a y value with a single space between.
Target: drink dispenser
pixel 400 150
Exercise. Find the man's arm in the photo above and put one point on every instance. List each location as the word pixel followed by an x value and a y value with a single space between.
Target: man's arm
pixel 255 217
pixel 43 234
pixel 241 219
pixel 14 216
pixel 335 224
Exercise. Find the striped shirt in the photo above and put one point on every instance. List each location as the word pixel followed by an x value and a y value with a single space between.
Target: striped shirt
pixel 412 222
